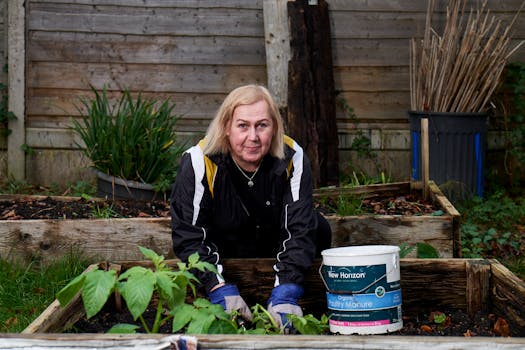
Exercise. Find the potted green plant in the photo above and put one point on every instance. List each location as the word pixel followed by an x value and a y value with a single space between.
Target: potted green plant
pixel 132 144
pixel 452 79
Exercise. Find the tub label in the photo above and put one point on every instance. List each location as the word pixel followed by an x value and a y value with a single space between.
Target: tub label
pixel 356 279
pixel 360 302
pixel 361 296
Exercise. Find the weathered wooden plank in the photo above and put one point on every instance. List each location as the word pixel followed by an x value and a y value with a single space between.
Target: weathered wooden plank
pixel 60 103
pixel 373 79
pixel 116 48
pixel 275 342
pixel 393 230
pixel 374 107
pixel 431 283
pixel 365 191
pixel 414 5
pixel 508 297
pixel 134 20
pixel 163 78
pixel 252 4
pixel 370 52
pixel 377 24
pixel 104 239
pixel 395 24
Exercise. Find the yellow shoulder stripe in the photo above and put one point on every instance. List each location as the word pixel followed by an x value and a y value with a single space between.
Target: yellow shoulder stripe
pixel 211 168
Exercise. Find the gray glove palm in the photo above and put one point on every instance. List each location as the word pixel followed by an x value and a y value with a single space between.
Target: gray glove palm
pixel 229 298
pixel 284 301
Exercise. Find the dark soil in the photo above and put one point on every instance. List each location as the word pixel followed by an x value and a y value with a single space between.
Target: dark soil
pixel 53 208
pixel 456 323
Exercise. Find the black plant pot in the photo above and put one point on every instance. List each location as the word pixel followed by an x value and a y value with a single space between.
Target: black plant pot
pixel 457 148
pixel 112 187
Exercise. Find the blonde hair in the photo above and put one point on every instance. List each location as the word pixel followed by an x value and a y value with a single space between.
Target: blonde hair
pixel 216 138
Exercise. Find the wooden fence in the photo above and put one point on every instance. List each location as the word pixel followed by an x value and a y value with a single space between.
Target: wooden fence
pixel 194 52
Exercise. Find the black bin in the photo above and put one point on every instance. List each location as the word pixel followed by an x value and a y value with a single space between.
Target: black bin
pixel 457 148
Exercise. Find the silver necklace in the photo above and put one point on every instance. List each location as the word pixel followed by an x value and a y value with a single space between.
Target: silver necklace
pixel 250 178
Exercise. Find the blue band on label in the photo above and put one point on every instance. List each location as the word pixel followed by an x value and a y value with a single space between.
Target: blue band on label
pixel 354 279
pixel 359 302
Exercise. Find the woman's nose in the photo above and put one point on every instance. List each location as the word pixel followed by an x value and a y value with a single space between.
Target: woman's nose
pixel 252 134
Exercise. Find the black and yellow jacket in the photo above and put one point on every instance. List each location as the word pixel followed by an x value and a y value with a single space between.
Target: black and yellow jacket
pixel 215 213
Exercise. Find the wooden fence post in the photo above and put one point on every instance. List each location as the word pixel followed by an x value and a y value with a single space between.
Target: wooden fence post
pixel 311 117
pixel 277 43
pixel 16 88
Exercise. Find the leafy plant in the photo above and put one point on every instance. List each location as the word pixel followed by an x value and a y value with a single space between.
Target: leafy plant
pixel 493 227
pixel 137 286
pixel 133 139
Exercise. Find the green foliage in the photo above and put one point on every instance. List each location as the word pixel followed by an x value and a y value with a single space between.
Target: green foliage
pixel 77 189
pixel 493 227
pixel 26 289
pixel 133 140
pixel 138 286
pixel 103 212
pixel 81 189
pixel 308 324
pixel 512 99
pixel 362 179
pixel 361 142
pixel 424 251
pixel 348 205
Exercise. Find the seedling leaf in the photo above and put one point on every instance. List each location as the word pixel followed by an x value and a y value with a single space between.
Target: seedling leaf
pixel 66 294
pixel 98 285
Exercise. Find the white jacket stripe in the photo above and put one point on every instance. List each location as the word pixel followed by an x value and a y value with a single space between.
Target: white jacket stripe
pixel 197 161
pixel 295 182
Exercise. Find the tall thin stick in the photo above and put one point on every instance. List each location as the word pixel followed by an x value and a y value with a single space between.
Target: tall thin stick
pixel 459 70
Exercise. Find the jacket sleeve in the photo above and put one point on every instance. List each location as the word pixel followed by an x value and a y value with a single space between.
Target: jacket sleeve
pixel 190 210
pixel 297 249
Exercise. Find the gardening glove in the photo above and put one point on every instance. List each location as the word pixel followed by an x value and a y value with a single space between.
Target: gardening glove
pixel 228 297
pixel 284 301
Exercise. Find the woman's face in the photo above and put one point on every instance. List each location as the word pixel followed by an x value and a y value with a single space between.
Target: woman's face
pixel 250 134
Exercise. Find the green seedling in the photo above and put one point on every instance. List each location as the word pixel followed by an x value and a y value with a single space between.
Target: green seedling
pixel 137 286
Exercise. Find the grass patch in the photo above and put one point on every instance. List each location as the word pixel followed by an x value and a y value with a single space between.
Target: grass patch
pixel 26 289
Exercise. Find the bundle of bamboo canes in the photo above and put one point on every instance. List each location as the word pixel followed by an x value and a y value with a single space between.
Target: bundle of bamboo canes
pixel 459 70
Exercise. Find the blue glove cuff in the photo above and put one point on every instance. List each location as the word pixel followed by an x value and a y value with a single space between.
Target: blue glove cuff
pixel 287 293
pixel 218 295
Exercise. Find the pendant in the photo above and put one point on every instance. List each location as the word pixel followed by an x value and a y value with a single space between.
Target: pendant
pixel 250 183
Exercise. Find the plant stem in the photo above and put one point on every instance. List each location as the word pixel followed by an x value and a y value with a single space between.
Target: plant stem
pixel 146 328
pixel 158 321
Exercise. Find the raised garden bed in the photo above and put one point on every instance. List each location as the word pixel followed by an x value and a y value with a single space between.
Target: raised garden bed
pixel 468 285
pixel 117 238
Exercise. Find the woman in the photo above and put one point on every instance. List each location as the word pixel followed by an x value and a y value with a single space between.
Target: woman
pixel 246 191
